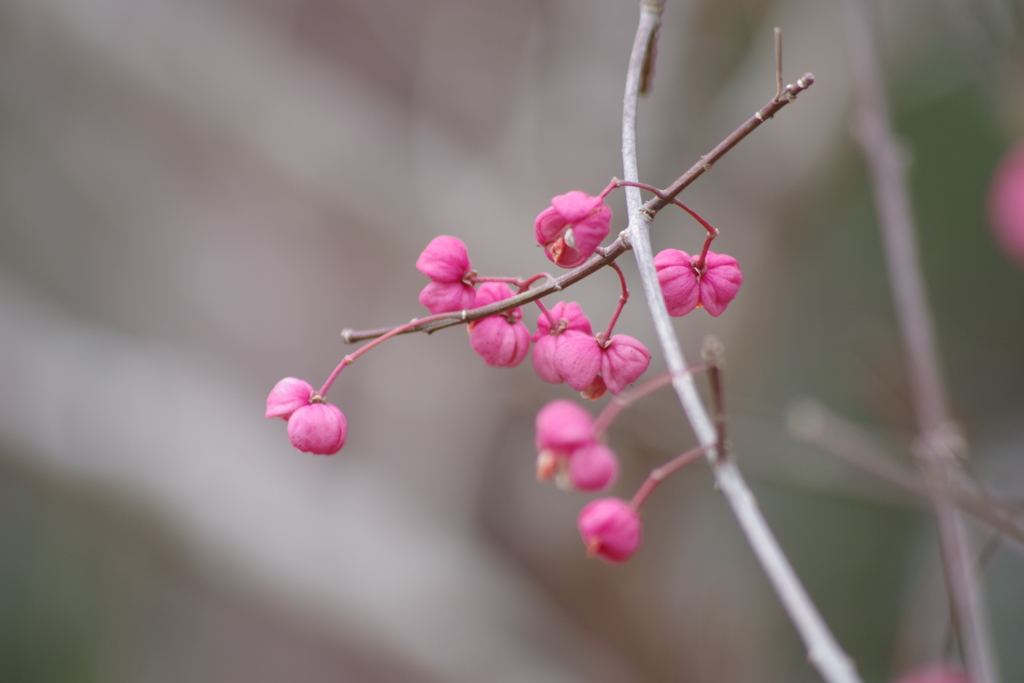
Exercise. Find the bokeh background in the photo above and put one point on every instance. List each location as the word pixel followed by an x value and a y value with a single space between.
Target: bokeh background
pixel 196 196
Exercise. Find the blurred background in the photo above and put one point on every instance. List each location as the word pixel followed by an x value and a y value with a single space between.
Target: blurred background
pixel 196 196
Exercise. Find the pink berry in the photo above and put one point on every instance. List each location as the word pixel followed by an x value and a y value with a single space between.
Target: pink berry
pixel 446 262
pixel 578 360
pixel 583 360
pixel 287 396
pixel 610 529
pixel 593 467
pixel 623 361
pixel 571 229
pixel 501 340
pixel 318 428
pixel 1006 203
pixel 935 673
pixel 719 282
pixel 445 297
pixel 563 426
pixel 569 322
pixel 678 281
pixel 544 351
pixel 568 317
pixel 685 289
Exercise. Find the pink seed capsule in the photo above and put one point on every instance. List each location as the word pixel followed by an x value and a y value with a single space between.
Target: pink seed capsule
pixel 610 529
pixel 287 396
pixel 318 428
pixel 571 229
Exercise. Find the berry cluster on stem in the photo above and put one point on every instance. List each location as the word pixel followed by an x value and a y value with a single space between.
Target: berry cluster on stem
pixel 565 347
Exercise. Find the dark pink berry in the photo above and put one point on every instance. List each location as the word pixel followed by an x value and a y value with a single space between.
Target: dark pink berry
pixel 563 426
pixel 446 262
pixel 571 229
pixel 685 288
pixel 593 467
pixel 318 428
pixel 287 396
pixel 1006 203
pixel 569 321
pixel 678 280
pixel 623 360
pixel 610 529
pixel 501 340
pixel 719 282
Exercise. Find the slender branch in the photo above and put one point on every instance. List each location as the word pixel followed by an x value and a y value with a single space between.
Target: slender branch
pixel 632 395
pixel 659 474
pixel 823 650
pixel 608 255
pixel 704 164
pixel 939 439
pixel 616 248
pixel 815 424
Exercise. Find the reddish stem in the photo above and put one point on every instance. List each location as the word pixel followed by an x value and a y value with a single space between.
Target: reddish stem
pixel 702 261
pixel 552 323
pixel 659 474
pixel 713 232
pixel 627 398
pixel 347 360
pixel 623 298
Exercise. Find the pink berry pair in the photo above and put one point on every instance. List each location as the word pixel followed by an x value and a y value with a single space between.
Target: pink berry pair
pixel 687 284
pixel 313 425
pixel 568 351
pixel 568 450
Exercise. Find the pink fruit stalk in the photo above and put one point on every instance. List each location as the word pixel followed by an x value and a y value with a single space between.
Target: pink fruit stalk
pixel 610 529
pixel 571 229
pixel 501 340
pixel 446 262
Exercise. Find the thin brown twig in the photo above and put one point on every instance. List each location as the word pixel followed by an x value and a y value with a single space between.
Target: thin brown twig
pixel 939 440
pixel 616 248
pixel 815 424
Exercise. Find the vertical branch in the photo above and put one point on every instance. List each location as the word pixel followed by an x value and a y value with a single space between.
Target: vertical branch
pixel 938 440
pixel 823 651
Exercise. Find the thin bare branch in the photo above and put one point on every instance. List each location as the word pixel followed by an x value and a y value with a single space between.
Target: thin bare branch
pixel 815 424
pixel 616 248
pixel 823 650
pixel 939 440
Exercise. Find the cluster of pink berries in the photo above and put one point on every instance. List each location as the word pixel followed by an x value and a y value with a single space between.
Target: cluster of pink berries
pixel 569 451
pixel 314 426
pixel 565 350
